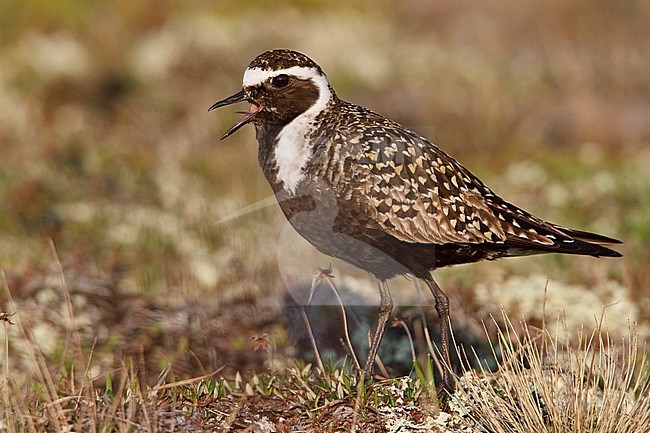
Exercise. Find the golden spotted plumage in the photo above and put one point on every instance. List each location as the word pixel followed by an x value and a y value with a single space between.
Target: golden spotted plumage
pixel 415 191
pixel 363 188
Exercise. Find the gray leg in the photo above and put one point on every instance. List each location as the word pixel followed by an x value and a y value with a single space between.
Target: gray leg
pixel 385 308
pixel 442 306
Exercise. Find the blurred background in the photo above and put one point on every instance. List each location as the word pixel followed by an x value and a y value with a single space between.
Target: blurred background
pixel 116 191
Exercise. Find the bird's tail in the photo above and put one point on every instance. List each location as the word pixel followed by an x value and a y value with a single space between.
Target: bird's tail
pixel 586 243
pixel 588 237
pixel 571 242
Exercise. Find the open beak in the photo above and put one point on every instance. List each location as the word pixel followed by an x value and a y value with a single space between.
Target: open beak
pixel 248 115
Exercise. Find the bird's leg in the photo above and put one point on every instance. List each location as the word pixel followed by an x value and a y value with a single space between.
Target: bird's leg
pixel 385 308
pixel 442 306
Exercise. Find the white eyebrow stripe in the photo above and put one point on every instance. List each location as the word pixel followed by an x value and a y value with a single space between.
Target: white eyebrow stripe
pixel 256 76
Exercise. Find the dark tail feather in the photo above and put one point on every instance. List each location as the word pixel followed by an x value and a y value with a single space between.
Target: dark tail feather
pixel 578 246
pixel 576 242
pixel 587 243
pixel 587 236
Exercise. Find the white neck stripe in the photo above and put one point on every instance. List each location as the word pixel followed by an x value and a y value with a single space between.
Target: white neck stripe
pixel 293 148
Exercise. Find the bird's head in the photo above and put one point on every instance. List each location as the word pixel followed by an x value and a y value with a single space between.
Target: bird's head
pixel 280 85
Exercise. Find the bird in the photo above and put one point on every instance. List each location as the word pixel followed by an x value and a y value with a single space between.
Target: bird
pixel 364 189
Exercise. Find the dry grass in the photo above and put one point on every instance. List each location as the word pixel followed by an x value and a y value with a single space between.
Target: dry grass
pixel 544 383
pixel 554 383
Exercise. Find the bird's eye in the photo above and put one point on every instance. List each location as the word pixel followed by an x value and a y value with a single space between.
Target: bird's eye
pixel 280 80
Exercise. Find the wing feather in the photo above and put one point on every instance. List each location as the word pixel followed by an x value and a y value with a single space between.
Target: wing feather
pixel 417 193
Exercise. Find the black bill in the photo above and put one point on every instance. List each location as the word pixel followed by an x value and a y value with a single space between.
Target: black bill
pixel 248 115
